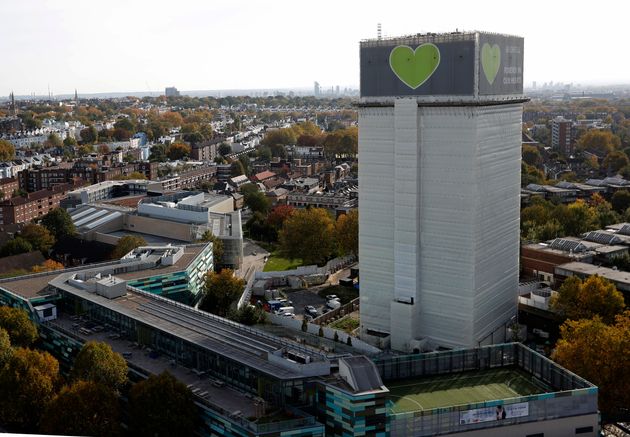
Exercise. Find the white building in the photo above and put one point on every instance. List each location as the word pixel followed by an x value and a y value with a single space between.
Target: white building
pixel 439 197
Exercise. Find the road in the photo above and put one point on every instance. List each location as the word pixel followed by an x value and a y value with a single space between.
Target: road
pixel 253 260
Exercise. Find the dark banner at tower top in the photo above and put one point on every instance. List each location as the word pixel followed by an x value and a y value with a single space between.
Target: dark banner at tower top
pixel 453 64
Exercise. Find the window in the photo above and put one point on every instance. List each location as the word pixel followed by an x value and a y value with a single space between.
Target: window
pixel 584 430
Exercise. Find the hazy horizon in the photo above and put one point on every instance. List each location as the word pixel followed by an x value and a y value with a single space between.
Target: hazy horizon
pixel 141 47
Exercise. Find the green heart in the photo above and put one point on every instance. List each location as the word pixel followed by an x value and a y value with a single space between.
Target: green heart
pixel 414 67
pixel 490 61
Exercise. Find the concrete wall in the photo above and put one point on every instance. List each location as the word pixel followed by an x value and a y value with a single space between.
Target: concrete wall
pixel 564 427
pixel 152 226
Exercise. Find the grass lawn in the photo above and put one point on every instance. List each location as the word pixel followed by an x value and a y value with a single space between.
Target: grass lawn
pixel 345 294
pixel 276 263
pixel 347 324
pixel 461 388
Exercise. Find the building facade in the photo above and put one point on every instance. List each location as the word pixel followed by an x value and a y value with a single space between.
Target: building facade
pixel 561 136
pixel 439 197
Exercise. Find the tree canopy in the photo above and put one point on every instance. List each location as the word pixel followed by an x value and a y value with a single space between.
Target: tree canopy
pixel 217 246
pixel 59 223
pixel 39 237
pixel 126 244
pixel 308 234
pixel 178 151
pixel 97 362
pixel 347 233
pixel 21 329
pixel 162 406
pixel 597 296
pixel 221 290
pixel 599 353
pixel 7 151
pixel 84 408
pixel 16 246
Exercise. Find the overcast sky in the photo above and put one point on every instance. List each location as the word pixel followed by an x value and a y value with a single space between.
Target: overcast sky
pixel 142 45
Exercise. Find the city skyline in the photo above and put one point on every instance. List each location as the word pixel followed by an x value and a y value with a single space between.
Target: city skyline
pixel 144 47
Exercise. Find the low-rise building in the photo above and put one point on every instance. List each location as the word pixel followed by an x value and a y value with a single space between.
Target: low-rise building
pixel 8 186
pixel 23 209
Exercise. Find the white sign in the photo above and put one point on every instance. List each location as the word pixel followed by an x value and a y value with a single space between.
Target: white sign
pixel 489 414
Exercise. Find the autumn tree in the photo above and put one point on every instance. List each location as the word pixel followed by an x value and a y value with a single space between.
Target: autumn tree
pixel 84 408
pixel 7 151
pixel 6 350
pixel 89 135
pixel 615 161
pixel 39 237
pixel 59 223
pixel 308 234
pixel 28 382
pixel 600 142
pixel 21 329
pixel 596 296
pixel 221 290
pixel 126 244
pixel 47 266
pixel 217 246
pixel 531 155
pixel 347 233
pixel 162 406
pixel 600 353
pixel 53 141
pixel 278 215
pixel 178 151
pixel 97 362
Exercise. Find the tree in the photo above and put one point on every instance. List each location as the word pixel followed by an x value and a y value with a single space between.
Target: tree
pixel 258 228
pixel 257 202
pixel 615 161
pixel 53 141
pixel 225 149
pixel 126 244
pixel 48 266
pixel 16 246
pixel 27 383
pixel 249 315
pixel 39 237
pixel 158 153
pixel 620 201
pixel 217 246
pixel 599 142
pixel 599 353
pixel 59 223
pixel 264 153
pixel 577 299
pixel 84 408
pixel 237 169
pixel 221 290
pixel 347 233
pixel 531 155
pixel 69 142
pixel 162 406
pixel 308 234
pixel 6 351
pixel 21 329
pixel 178 151
pixel 97 362
pixel 89 135
pixel 7 151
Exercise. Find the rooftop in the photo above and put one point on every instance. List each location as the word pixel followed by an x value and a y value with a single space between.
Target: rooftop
pixel 590 269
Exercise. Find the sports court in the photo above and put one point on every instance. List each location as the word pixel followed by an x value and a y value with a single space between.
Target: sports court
pixel 461 388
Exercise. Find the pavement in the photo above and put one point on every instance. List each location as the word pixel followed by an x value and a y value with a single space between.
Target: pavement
pixel 254 259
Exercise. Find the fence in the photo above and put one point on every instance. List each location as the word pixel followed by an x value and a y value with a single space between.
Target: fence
pixel 351 306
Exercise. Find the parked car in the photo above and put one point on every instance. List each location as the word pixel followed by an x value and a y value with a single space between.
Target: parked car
pixel 331 297
pixel 333 304
pixel 310 310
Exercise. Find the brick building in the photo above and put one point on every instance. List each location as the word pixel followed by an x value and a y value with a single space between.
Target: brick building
pixel 7 187
pixel 23 209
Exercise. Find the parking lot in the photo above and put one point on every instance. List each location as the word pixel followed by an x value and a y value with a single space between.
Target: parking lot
pixel 301 298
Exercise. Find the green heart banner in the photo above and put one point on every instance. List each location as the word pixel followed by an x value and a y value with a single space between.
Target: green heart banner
pixel 490 61
pixel 414 67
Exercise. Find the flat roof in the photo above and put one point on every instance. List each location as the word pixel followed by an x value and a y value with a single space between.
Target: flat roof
pixel 462 388
pixel 221 336
pixel 590 269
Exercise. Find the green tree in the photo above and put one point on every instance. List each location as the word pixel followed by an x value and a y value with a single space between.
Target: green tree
pixel 158 153
pixel 54 141
pixel 59 223
pixel 89 135
pixel 126 244
pixel 237 169
pixel 16 246
pixel 264 153
pixel 217 246
pixel 162 406
pixel 347 233
pixel 21 329
pixel 531 155
pixel 84 408
pixel 249 315
pixel 257 202
pixel 69 142
pixel 577 299
pixel 308 234
pixel 28 382
pixel 97 362
pixel 39 237
pixel 225 149
pixel 221 290
pixel 7 151
pixel 620 201
pixel 599 353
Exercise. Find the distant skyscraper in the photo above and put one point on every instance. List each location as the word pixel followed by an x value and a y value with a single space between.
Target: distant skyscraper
pixel 440 147
pixel 171 92
pixel 316 89
pixel 561 138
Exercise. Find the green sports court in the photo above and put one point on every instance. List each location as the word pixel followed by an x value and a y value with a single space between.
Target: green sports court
pixel 460 389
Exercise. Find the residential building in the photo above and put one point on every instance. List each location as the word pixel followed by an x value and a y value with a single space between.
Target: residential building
pixel 206 151
pixel 347 198
pixel 439 198
pixel 171 91
pixel 8 186
pixel 23 209
pixel 561 136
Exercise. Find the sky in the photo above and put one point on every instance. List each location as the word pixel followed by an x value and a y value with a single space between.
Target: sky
pixel 139 45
